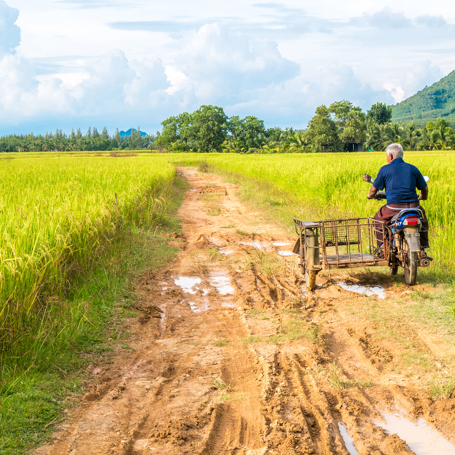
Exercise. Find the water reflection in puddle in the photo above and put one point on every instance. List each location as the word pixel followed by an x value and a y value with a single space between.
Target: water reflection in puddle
pixel 228 305
pixel 366 290
pixel 222 283
pixel 281 243
pixel 256 244
pixel 420 437
pixel 199 307
pixel 348 441
pixel 225 251
pixel 285 253
pixel 188 283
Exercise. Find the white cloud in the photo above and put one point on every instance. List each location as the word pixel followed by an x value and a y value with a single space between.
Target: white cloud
pixel 273 60
pixel 420 75
pixel 10 34
pixel 225 66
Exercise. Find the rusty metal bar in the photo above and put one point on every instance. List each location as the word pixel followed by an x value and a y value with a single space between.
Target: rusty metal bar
pixel 347 240
pixel 359 237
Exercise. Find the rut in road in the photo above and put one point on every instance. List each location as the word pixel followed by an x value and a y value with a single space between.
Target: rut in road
pixel 230 355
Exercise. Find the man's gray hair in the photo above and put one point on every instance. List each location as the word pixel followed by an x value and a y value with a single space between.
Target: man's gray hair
pixel 396 150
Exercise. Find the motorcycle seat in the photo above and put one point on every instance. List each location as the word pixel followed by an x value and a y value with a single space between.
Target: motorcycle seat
pixel 415 211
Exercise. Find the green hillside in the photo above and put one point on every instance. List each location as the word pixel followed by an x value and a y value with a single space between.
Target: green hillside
pixel 432 102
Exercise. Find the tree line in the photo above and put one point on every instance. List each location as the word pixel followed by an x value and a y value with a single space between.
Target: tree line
pixel 93 140
pixel 335 128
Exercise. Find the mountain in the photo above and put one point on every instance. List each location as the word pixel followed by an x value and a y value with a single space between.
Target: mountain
pixel 432 102
pixel 130 131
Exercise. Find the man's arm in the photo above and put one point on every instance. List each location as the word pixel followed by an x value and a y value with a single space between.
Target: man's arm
pixel 372 193
pixel 423 196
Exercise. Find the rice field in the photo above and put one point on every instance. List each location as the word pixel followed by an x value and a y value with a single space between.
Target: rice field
pixel 330 185
pixel 56 212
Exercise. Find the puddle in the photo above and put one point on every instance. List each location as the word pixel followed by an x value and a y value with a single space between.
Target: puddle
pixel 222 284
pixel 188 283
pixel 420 437
pixel 285 253
pixel 281 243
pixel 366 290
pixel 256 244
pixel 225 251
pixel 193 191
pixel 228 305
pixel 199 307
pixel 348 441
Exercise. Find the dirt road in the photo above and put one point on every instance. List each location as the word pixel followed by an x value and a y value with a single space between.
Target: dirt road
pixel 230 355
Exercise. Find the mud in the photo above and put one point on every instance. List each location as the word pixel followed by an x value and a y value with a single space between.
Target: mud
pixel 229 355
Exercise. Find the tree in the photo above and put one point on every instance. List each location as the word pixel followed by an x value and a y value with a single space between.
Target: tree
pixel 250 131
pixel 322 131
pixel 380 113
pixel 208 129
pixel 340 112
pixel 354 130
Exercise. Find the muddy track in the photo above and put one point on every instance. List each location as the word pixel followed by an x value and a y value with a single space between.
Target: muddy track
pixel 230 355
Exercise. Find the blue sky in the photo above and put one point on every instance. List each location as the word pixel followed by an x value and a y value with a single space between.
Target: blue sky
pixel 78 63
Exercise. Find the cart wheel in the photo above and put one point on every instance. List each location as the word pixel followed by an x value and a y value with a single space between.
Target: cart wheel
pixel 394 270
pixel 310 278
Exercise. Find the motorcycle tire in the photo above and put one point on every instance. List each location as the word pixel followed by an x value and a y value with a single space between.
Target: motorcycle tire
pixel 410 265
pixel 310 278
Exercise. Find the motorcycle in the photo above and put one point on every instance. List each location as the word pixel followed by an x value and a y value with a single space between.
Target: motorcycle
pixel 404 240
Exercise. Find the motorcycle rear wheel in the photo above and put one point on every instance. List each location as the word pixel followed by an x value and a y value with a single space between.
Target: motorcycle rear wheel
pixel 410 264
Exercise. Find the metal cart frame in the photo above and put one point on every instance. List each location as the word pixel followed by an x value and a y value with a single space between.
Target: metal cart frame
pixel 342 243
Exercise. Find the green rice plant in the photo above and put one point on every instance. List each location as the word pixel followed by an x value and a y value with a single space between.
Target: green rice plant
pixel 56 214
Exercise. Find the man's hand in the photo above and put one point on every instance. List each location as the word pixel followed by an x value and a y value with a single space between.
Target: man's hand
pixel 372 193
pixel 423 196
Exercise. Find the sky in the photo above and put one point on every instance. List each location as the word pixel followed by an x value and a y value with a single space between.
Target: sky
pixel 109 63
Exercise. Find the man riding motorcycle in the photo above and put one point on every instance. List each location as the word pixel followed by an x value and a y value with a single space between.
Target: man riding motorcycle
pixel 400 180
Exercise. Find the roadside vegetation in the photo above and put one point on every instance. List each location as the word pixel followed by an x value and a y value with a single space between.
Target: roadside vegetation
pixel 76 233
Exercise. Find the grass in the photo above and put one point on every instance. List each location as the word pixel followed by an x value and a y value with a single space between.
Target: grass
pixel 214 254
pixel 442 389
pixel 203 166
pixel 252 339
pixel 221 385
pixel 337 383
pixel 81 324
pixel 220 343
pixel 254 312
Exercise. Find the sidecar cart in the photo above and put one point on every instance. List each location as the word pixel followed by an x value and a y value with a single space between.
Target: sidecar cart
pixel 340 244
